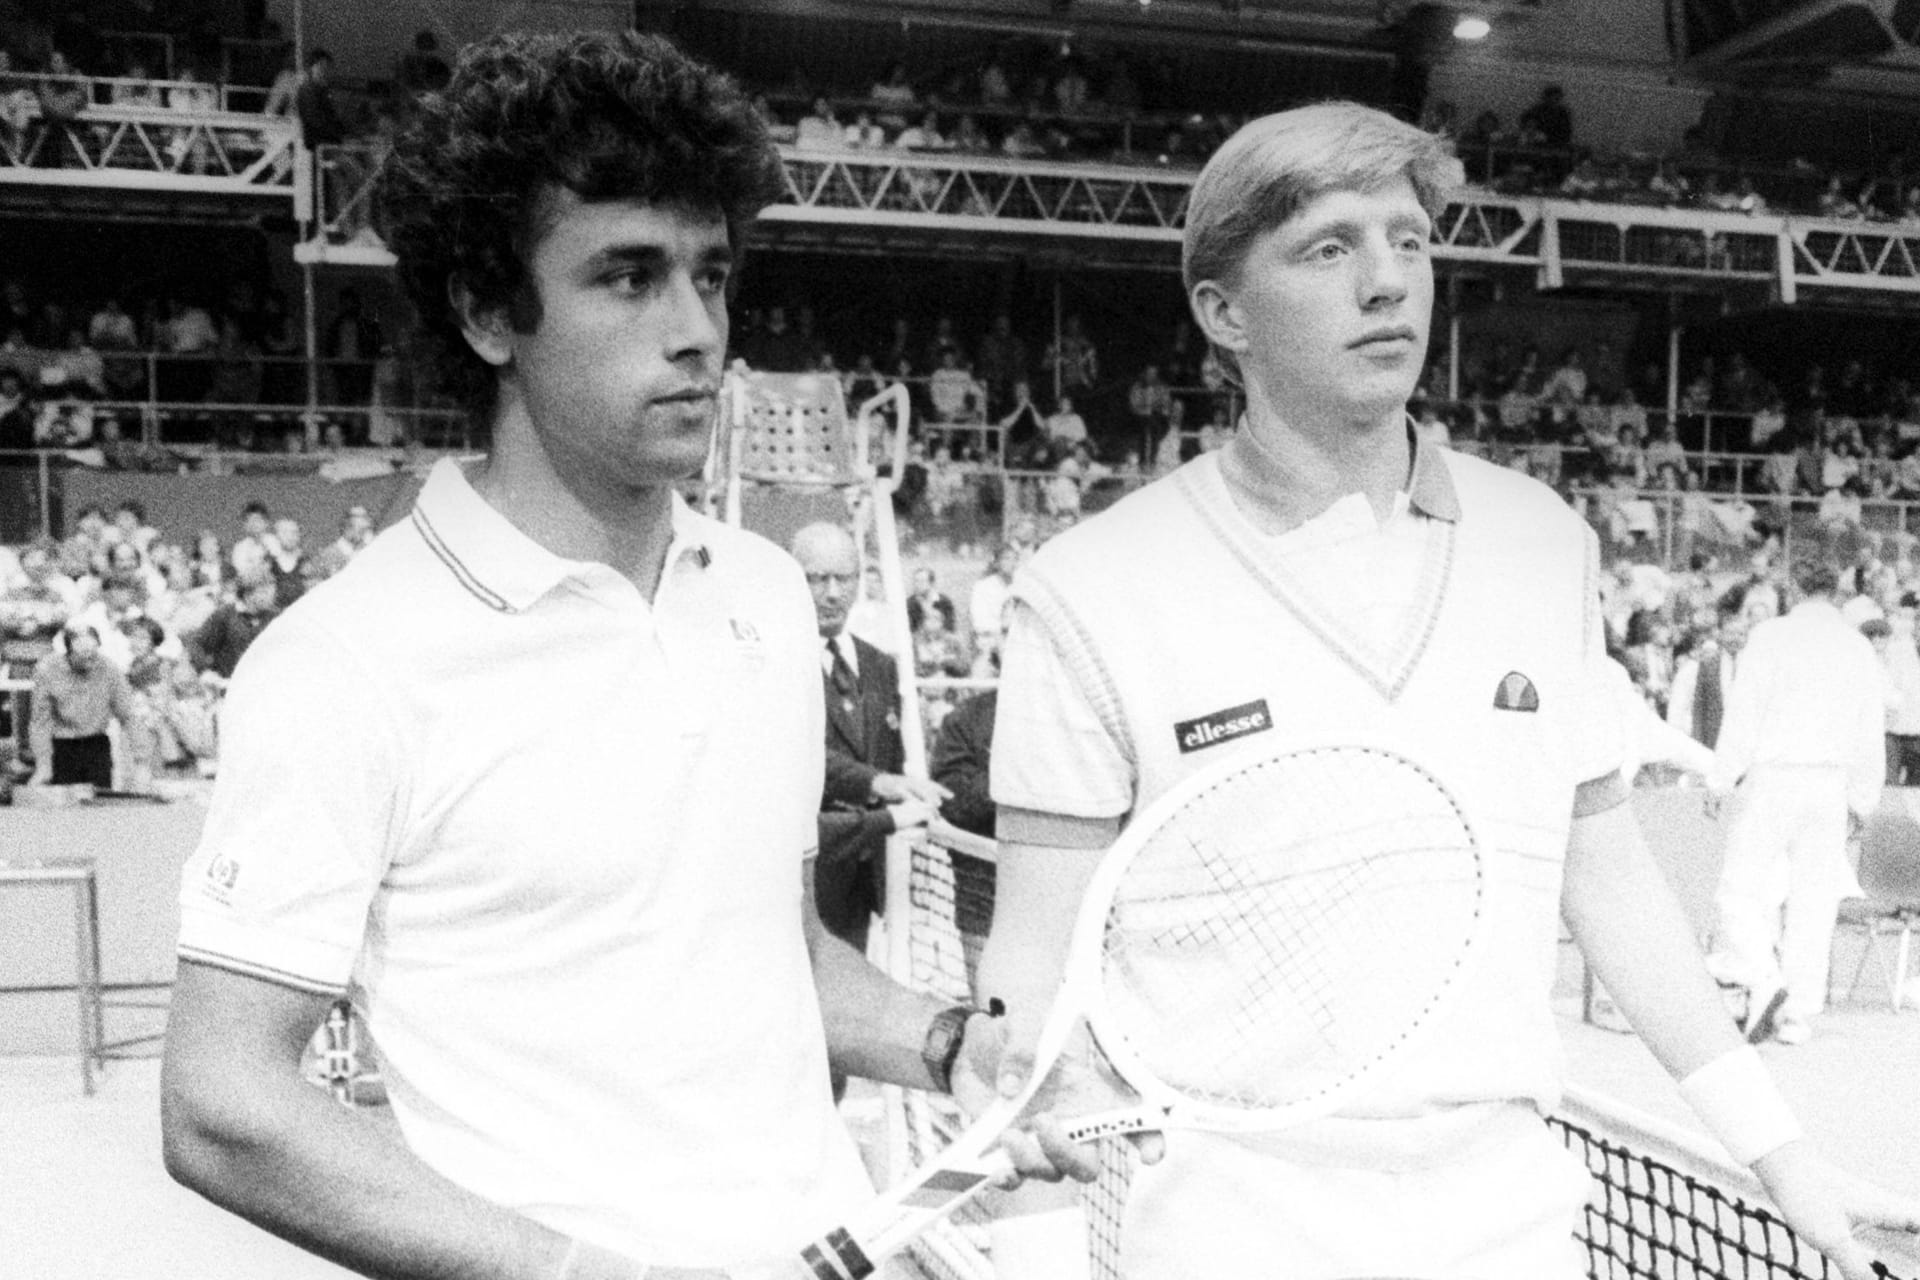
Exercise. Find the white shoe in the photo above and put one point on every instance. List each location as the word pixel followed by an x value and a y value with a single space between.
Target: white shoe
pixel 1792 1031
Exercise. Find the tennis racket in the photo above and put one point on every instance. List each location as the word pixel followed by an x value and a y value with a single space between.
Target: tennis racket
pixel 1255 948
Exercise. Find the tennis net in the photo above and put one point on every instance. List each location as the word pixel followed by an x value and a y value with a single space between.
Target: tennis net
pixel 1665 1206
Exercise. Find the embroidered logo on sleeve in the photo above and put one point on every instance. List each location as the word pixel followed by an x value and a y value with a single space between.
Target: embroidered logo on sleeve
pixel 1223 726
pixel 747 643
pixel 222 874
pixel 1515 693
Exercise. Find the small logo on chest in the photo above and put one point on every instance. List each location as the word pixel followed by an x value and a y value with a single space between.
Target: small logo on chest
pixel 1223 726
pixel 1515 693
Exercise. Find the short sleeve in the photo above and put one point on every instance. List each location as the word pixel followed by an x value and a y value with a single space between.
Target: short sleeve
pixel 1593 723
pixel 1054 752
pixel 304 817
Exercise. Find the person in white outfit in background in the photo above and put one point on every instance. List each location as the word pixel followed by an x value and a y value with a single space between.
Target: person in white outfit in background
pixel 1803 744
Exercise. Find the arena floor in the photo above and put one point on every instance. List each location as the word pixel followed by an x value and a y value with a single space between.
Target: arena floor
pixel 86 1198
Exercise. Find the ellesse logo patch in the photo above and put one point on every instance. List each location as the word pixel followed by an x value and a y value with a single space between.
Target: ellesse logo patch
pixel 1223 726
pixel 1515 693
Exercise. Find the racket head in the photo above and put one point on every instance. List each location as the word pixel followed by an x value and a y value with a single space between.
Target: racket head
pixel 1266 938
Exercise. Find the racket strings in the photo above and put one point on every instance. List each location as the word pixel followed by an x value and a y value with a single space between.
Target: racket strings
pixel 1288 927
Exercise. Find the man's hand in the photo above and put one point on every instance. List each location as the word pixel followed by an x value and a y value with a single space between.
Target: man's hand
pixel 892 788
pixel 912 815
pixel 1827 1207
pixel 991 1068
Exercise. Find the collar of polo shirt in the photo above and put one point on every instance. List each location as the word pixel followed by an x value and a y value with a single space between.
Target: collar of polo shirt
pixel 1429 487
pixel 496 561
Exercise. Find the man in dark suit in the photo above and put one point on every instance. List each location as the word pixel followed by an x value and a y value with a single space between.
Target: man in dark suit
pixel 1698 701
pixel 866 797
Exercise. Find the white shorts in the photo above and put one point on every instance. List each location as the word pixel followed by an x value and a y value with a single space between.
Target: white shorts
pixel 1505 1210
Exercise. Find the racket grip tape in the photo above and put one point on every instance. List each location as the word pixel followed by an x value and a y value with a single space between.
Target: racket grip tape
pixel 853 1262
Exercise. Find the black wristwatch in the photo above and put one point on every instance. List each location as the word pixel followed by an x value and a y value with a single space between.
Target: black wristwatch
pixel 941 1049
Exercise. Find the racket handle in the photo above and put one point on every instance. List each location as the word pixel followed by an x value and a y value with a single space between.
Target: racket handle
pixel 1114 1124
pixel 900 1218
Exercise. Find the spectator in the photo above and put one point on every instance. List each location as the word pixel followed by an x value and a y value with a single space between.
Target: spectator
pixel 76 695
pixel 284 93
pixel 185 604
pixel 17 412
pixel 1549 120
pixel 423 70
pixel 63 95
pixel 1065 428
pixel 255 547
pixel 946 484
pixel 188 334
pixel 356 535
pixel 925 136
pixel 961 756
pixel 894 97
pixel 1074 359
pixel 1023 430
pixel 320 121
pixel 232 627
pixel 819 129
pixel 33 607
pixel 927 596
pixel 865 132
pixel 1002 362
pixel 988 600
pixel 953 392
pixel 969 138
pixel 293 570
pixel 1902 662
pixel 936 650
pixel 1022 143
pixel 1149 403
pixel 354 342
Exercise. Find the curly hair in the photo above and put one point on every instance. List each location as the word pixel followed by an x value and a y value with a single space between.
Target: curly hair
pixel 607 116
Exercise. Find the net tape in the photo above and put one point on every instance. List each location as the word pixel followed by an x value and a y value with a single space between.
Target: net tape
pixel 1647 1220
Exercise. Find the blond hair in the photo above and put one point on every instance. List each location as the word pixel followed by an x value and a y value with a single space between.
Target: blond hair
pixel 1275 166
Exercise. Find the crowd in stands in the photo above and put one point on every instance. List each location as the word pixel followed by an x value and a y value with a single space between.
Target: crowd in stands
pixel 1021 98
pixel 78 374
pixel 167 619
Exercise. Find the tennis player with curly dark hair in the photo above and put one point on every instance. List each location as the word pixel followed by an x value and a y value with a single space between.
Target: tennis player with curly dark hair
pixel 534 784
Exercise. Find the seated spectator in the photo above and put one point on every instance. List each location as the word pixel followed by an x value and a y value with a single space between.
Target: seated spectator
pixel 356 535
pixel 33 607
pixel 936 650
pixel 256 546
pixel 927 597
pixel 1665 451
pixel 819 129
pixel 1065 428
pixel 1022 143
pixel 946 484
pixel 219 643
pixel 293 570
pixel 185 603
pixel 961 763
pixel 135 88
pixel 969 138
pixel 65 419
pixel 173 723
pixel 953 392
pixel 865 132
pixel 82 366
pixel 1834 202
pixel 925 136
pixel 986 603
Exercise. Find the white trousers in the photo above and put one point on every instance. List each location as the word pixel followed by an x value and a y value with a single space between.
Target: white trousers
pixel 1786 853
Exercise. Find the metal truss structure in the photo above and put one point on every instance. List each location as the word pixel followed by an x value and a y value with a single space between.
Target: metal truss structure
pixel 901 199
pixel 144 148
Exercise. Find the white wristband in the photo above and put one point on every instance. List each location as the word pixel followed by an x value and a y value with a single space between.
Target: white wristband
pixel 1737 1099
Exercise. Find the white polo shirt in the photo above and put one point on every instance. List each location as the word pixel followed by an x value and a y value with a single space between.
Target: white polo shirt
pixel 550 838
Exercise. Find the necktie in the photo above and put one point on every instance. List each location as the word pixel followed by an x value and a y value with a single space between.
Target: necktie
pixel 842 674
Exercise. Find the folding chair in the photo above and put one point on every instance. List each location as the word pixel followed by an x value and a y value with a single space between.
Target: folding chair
pixel 1890 881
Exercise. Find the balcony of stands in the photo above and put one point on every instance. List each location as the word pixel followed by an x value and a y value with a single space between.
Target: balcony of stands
pixel 1114 212
pixel 119 147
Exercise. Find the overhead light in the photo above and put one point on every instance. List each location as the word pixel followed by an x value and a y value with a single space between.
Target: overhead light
pixel 1472 27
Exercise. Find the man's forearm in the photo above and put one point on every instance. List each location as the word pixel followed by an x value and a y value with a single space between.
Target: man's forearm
pixel 875 1027
pixel 246 1131
pixel 1624 916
